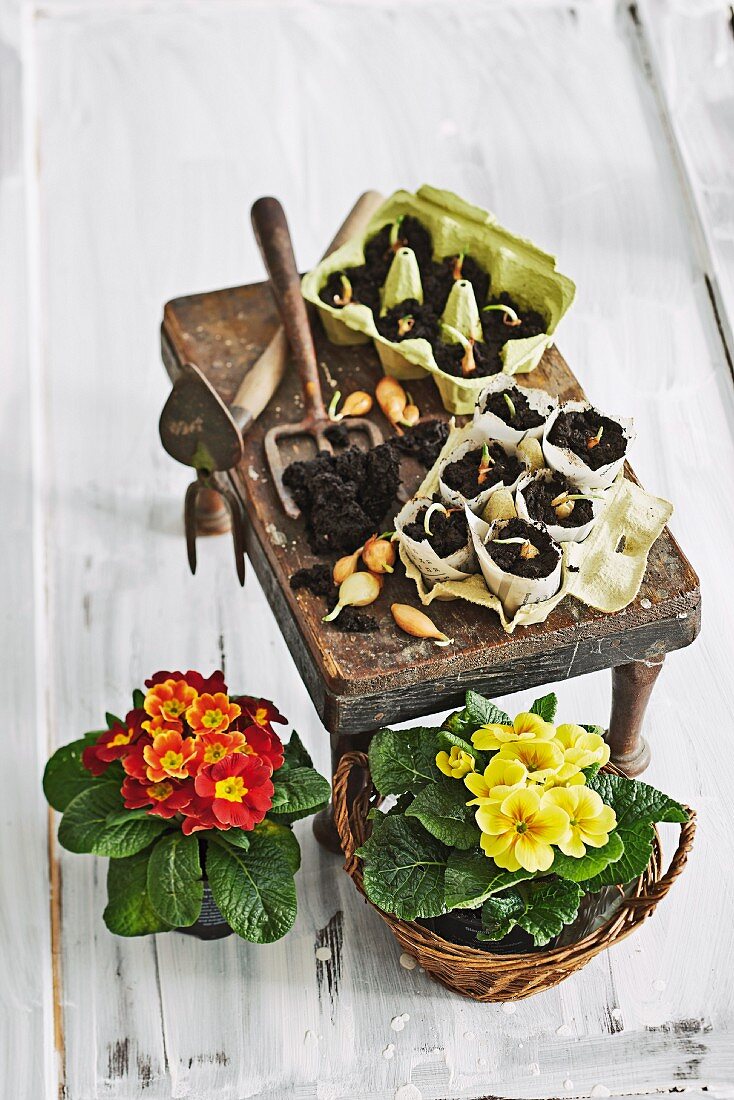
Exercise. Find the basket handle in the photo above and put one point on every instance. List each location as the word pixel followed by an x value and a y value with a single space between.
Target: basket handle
pixel 657 890
pixel 351 826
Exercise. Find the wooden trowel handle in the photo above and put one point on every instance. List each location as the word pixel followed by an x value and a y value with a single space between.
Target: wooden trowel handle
pixel 274 240
pixel 263 378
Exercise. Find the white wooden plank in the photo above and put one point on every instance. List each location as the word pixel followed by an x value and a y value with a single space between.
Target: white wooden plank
pixel 27 1057
pixel 158 128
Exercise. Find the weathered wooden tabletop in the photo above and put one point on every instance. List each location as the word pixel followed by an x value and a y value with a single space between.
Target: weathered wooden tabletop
pixel 133 139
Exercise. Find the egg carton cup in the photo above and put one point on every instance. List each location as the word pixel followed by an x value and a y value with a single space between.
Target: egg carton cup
pixel 566 462
pixel 557 531
pixel 494 427
pixel 512 591
pixel 456 567
pixel 604 571
pixel 515 265
pixel 456 499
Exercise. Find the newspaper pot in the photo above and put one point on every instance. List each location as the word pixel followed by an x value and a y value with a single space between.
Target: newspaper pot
pixel 495 427
pixel 557 531
pixel 457 567
pixel 510 589
pixel 477 503
pixel 566 462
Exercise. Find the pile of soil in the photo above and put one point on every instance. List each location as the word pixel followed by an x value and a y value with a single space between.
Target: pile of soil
pixel 425 322
pixel 344 497
pixel 463 474
pixel 438 283
pixel 487 359
pixel 424 440
pixel 365 287
pixel 539 494
pixel 525 417
pixel 508 557
pixel 575 429
pixel 350 620
pixel 449 533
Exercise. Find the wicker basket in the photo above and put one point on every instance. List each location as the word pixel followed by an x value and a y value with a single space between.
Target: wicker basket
pixel 482 975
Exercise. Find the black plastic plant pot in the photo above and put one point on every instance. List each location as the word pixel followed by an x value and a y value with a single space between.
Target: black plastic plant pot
pixel 461 926
pixel 211 925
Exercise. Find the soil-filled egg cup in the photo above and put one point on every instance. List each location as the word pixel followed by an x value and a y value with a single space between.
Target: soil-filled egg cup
pixel 519 560
pixel 511 413
pixel 585 445
pixel 475 469
pixel 446 531
pixel 567 511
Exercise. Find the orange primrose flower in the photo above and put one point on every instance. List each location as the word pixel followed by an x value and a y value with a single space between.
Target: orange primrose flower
pixel 211 747
pixel 169 756
pixel 265 744
pixel 259 712
pixel 169 700
pixel 160 723
pixel 239 789
pixel 212 713
pixel 111 745
pixel 166 798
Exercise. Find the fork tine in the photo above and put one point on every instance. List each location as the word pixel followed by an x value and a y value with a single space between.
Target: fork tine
pixel 192 492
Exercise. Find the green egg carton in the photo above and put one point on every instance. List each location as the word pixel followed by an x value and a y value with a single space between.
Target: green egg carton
pixel 514 265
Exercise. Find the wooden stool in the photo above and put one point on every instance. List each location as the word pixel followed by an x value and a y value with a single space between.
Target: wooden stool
pixel 359 683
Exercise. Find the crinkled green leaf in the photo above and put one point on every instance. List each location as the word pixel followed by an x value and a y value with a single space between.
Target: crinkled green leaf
pixel 500 914
pixel 546 706
pixel 478 711
pixel 85 828
pixel 295 753
pixel 471 877
pixel 129 911
pixel 254 889
pixel 596 859
pixel 637 805
pixel 441 808
pixel 112 720
pixel 238 838
pixel 175 885
pixel 283 836
pixel 404 760
pixel 404 868
pixel 298 793
pixel 138 699
pixel 65 776
pixel 598 730
pixel 590 772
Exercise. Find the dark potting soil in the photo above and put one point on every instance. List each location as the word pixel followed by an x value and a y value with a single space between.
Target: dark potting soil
pixel 424 440
pixel 425 322
pixel 378 251
pixel 523 418
pixel 449 533
pixel 439 281
pixel 318 580
pixel 449 356
pixel 575 429
pixel 539 494
pixel 497 332
pixel 365 288
pixel 344 497
pixel 508 557
pixel 463 474
pixel 337 434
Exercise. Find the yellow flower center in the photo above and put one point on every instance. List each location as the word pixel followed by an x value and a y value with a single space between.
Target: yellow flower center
pixel 171 761
pixel 212 718
pixel 214 752
pixel 521 827
pixel 159 791
pixel 122 738
pixel 233 789
pixel 173 707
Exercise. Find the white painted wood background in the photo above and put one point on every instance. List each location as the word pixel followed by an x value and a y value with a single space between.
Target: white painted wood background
pixel 133 138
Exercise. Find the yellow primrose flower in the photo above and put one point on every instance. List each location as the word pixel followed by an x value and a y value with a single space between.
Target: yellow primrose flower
pixel 541 758
pixel 456 763
pixel 519 831
pixel 568 776
pixel 526 727
pixel 581 748
pixel 590 819
pixel 499 778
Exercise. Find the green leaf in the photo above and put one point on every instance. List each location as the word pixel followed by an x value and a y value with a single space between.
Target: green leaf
pixel 65 776
pixel 404 868
pixel 598 730
pixel 637 805
pixel 590 772
pixel 477 712
pixel 579 869
pixel 238 838
pixel 138 699
pixel 500 914
pixel 129 911
pixel 403 760
pixel 295 754
pixel 120 816
pixel 546 706
pixel 299 792
pixel 85 828
pixel 471 877
pixel 175 886
pixel 283 836
pixel 254 889
pixel 112 720
pixel 441 808
pixel 549 905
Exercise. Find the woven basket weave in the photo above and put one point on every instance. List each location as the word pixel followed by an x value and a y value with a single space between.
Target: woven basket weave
pixel 479 974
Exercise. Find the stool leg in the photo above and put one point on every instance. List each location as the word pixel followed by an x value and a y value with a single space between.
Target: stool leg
pixel 323 824
pixel 632 685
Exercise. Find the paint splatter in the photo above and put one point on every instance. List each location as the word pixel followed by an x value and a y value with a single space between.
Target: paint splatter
pixel 568 1083
pixel 469 1035
pixel 407 961
pixel 564 1029
pixel 600 1090
pixel 659 985
pixel 408 1092
pixel 389 1051
pixel 509 1007
pixel 534 1069
pixel 398 1022
pixel 323 954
